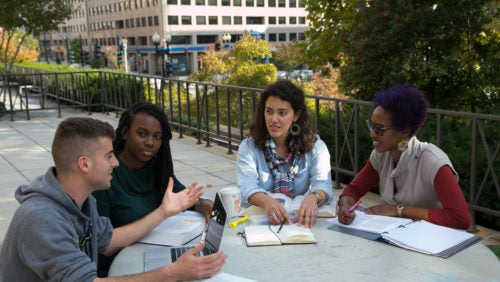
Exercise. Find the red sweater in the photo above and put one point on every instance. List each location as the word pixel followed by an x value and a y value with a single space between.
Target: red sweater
pixel 454 213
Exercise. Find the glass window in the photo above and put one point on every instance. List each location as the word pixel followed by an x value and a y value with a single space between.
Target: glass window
pixel 156 20
pixel 226 2
pixel 302 20
pixel 292 3
pixel 281 3
pixel 282 37
pixel 186 20
pixel 272 20
pixel 249 3
pixel 293 36
pixel 272 37
pixel 212 20
pixel 255 20
pixel 185 2
pixel 150 21
pixel 226 20
pixel 201 20
pixel 238 20
pixel 260 3
pixel 172 2
pixel 237 3
pixel 200 2
pixel 173 20
pixel 271 3
pixel 302 36
pixel 293 20
pixel 212 2
pixel 282 20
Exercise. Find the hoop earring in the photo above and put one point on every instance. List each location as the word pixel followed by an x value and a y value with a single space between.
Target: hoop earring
pixel 295 130
pixel 403 145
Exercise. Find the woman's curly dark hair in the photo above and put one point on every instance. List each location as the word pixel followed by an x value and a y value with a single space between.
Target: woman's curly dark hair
pixel 289 92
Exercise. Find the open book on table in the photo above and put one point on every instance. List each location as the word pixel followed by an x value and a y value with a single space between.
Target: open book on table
pixel 291 205
pixel 176 230
pixel 421 236
pixel 265 235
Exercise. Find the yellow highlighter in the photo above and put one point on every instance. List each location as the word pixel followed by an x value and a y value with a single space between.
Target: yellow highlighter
pixel 237 222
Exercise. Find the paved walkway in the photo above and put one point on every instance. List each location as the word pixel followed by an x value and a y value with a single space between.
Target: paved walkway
pixel 25 154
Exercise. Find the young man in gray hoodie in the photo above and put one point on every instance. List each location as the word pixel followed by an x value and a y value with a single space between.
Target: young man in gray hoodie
pixel 56 233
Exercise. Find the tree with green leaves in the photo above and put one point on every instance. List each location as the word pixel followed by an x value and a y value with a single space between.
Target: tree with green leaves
pixel 288 56
pixel 447 49
pixel 243 65
pixel 32 17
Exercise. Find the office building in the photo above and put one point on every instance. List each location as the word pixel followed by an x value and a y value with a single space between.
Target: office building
pixel 191 27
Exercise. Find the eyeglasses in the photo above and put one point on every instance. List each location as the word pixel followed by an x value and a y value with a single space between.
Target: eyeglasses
pixel 379 130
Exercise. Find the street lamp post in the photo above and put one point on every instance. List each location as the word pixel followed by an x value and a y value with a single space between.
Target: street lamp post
pixel 125 60
pixel 161 52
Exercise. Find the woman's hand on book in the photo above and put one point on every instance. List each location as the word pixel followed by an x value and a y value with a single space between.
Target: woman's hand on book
pixel 308 212
pixel 275 211
pixel 345 216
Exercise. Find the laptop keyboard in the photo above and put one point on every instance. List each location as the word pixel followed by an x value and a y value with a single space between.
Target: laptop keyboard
pixel 179 251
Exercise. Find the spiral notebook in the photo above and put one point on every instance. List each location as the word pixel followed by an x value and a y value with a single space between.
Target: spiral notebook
pixel 420 236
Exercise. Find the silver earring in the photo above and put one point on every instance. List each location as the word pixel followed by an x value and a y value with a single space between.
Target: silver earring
pixel 295 130
pixel 402 145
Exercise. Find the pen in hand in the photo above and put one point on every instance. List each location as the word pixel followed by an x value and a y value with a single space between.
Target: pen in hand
pixel 351 209
pixel 281 226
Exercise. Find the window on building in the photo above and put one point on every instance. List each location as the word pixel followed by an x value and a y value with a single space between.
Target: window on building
pixel 138 22
pixel 282 20
pixel 302 4
pixel 272 37
pixel 302 36
pixel 212 2
pixel 238 20
pixel 212 20
pixel 132 23
pixel 292 3
pixel 249 3
pixel 150 21
pixel 201 20
pixel 186 2
pixel 260 3
pixel 293 36
pixel 205 39
pixel 302 20
pixel 143 21
pixel 226 20
pixel 282 36
pixel 292 20
pixel 127 24
pixel 237 3
pixel 173 20
pixel 156 20
pixel 226 2
pixel 255 20
pixel 186 20
pixel 271 3
pixel 143 40
pixel 171 2
pixel 281 3
pixel 272 20
pixel 200 2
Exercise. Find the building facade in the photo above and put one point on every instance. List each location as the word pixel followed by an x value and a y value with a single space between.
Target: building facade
pixel 187 27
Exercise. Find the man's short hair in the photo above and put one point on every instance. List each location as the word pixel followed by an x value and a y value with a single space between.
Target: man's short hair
pixel 77 136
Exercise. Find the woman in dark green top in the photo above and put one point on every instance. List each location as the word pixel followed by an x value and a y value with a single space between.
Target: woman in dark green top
pixel 142 147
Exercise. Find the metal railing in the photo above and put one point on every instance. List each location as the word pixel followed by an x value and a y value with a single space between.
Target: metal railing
pixel 221 114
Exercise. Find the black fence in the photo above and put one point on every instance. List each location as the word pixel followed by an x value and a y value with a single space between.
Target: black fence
pixel 221 114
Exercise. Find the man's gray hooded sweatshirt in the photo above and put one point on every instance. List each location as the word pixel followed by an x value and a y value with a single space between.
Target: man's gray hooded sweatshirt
pixel 50 238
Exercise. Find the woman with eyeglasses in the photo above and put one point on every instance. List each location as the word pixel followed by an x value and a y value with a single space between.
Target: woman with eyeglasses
pixel 416 179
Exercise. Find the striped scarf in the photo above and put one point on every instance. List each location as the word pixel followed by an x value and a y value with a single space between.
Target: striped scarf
pixel 283 181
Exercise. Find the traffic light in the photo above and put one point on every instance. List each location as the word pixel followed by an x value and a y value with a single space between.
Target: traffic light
pixel 71 57
pixel 119 55
pixel 168 69
pixel 97 51
pixel 139 57
pixel 86 58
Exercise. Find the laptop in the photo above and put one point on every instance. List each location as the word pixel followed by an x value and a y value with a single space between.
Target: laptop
pixel 158 257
